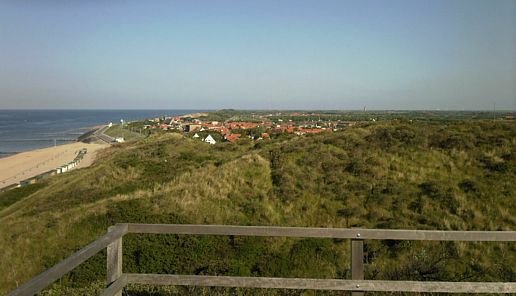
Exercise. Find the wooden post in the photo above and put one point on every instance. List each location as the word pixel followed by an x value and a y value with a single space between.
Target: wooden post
pixel 114 261
pixel 357 262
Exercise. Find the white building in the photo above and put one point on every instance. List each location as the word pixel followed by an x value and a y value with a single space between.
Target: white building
pixel 210 139
pixel 195 136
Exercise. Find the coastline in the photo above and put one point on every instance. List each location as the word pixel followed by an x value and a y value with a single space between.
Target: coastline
pixel 82 137
pixel 28 164
pixel 29 129
pixel 23 165
pixel 7 154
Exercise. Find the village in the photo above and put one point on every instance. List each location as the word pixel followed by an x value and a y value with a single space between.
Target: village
pixel 256 127
pixel 238 126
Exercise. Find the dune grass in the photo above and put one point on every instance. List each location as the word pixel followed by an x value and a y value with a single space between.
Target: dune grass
pixel 9 197
pixel 125 132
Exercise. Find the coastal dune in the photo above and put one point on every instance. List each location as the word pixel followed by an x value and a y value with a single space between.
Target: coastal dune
pixel 21 166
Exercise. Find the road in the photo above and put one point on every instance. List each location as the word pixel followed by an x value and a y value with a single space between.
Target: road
pixel 103 137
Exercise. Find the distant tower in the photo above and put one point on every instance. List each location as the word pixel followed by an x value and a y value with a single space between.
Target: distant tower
pixel 365 108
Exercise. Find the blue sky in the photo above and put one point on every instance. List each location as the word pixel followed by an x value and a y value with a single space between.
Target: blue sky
pixel 324 54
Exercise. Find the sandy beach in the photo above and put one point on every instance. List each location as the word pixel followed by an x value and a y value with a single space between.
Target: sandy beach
pixel 21 166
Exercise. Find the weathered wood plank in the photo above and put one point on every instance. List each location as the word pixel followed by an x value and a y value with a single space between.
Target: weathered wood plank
pixel 114 261
pixel 46 278
pixel 357 262
pixel 380 234
pixel 321 284
pixel 116 287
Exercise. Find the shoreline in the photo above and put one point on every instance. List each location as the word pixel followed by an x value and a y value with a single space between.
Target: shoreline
pixel 85 137
pixel 7 154
pixel 29 164
pixel 21 166
pixel 25 165
pixel 88 131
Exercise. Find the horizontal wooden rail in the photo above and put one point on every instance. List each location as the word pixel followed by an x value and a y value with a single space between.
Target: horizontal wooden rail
pixel 46 278
pixel 320 284
pixel 377 234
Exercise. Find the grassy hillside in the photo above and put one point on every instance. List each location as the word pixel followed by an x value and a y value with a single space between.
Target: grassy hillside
pixel 389 175
pixel 125 132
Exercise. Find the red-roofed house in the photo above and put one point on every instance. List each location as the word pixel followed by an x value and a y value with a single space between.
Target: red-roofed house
pixel 285 128
pixel 232 137
pixel 242 125
pixel 303 131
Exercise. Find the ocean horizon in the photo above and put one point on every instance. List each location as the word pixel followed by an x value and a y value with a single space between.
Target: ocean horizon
pixel 25 130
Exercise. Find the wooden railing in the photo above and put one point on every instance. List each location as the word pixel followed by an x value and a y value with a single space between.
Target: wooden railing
pixel 116 279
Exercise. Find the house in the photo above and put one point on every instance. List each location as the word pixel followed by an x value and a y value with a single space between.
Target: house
pixel 220 129
pixel 224 131
pixel 191 127
pixel 284 128
pixel 232 137
pixel 210 139
pixel 195 136
pixel 304 131
pixel 212 125
pixel 242 125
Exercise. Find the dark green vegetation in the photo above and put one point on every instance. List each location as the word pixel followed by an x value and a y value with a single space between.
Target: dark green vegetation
pixel 227 114
pixel 419 175
pixel 429 116
pixel 328 115
pixel 9 197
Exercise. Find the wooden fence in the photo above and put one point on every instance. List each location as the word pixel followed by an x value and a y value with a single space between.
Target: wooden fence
pixel 116 279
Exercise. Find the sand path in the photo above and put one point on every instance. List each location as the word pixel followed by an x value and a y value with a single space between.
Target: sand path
pixel 21 166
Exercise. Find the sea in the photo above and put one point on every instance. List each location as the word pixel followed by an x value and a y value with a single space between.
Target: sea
pixel 24 130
